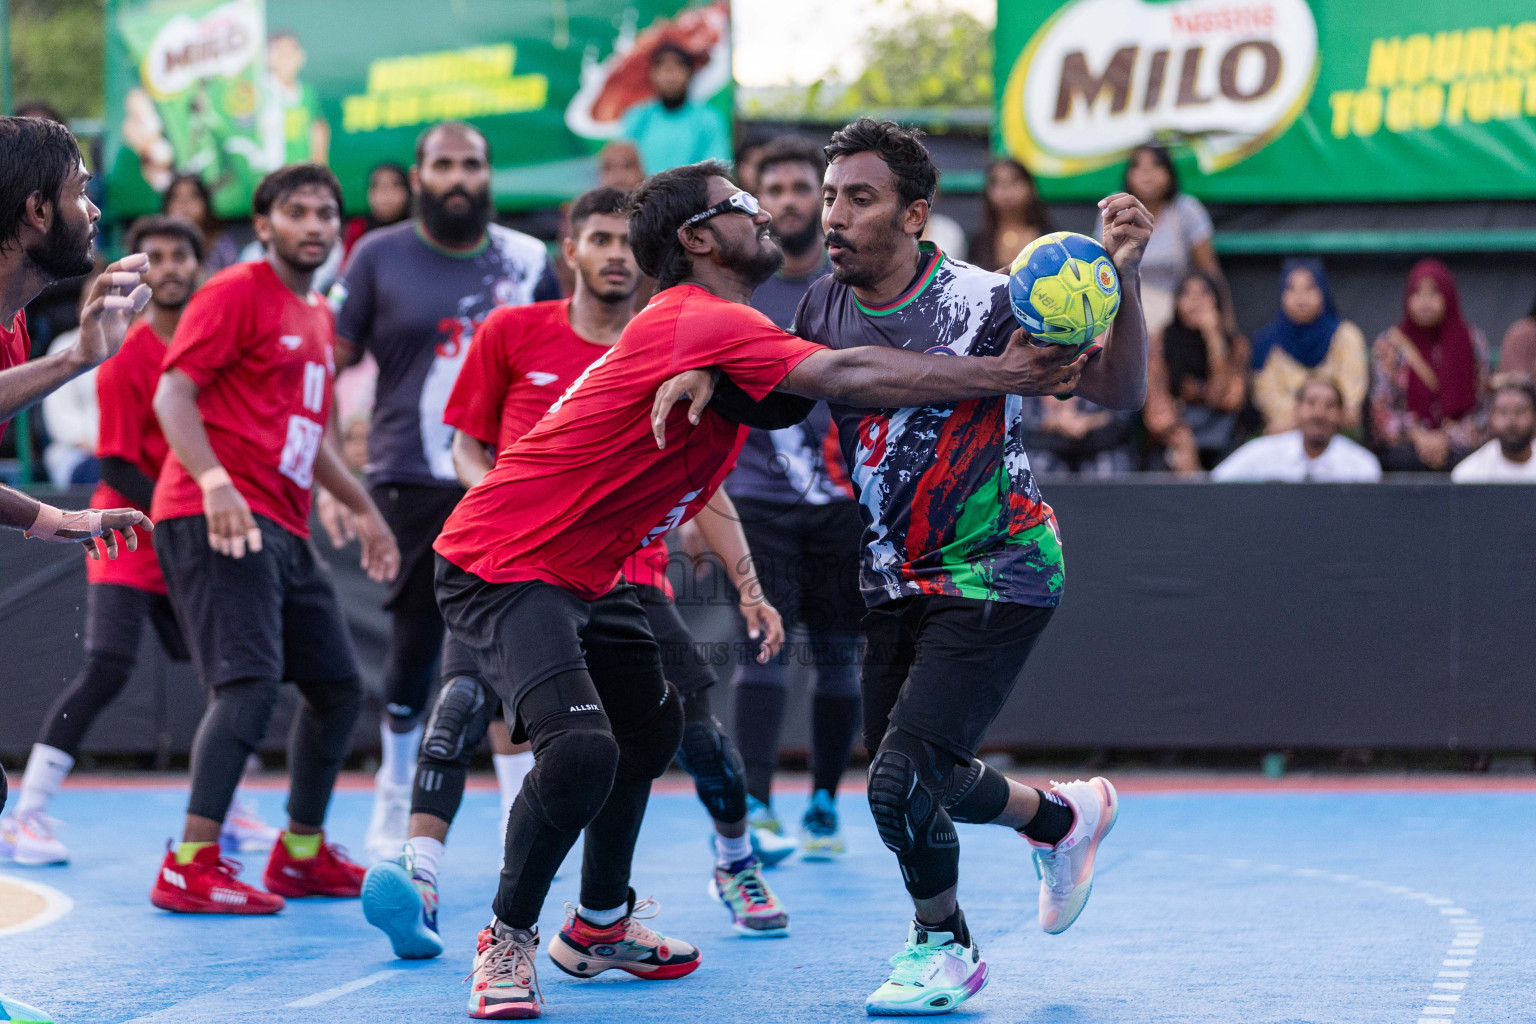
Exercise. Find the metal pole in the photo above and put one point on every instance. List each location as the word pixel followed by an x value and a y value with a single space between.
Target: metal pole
pixel 5 56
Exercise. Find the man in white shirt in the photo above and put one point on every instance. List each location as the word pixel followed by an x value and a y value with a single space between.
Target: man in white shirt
pixel 1507 458
pixel 1314 452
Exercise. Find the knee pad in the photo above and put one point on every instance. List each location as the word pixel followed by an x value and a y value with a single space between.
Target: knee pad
pixel 718 775
pixel 241 710
pixel 572 775
pixel 648 744
pixel 459 721
pixel 902 806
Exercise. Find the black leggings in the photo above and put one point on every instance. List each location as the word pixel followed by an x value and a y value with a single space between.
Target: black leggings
pixel 232 729
pixel 98 684
pixel 415 639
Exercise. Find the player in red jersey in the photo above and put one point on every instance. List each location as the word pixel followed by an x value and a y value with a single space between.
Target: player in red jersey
pixel 244 402
pixel 523 358
pixel 126 594
pixel 530 558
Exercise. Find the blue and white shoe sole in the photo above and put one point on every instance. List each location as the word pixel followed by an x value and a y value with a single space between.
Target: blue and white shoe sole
pixel 393 906
pixel 951 999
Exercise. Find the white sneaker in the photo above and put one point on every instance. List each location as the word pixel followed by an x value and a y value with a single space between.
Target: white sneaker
pixel 27 838
pixel 245 830
pixel 388 828
pixel 1066 869
pixel 934 974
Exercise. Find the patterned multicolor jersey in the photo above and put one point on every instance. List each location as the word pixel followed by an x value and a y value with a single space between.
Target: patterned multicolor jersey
pixel 949 503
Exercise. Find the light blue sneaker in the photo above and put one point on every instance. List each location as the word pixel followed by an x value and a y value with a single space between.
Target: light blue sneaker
pixel 820 837
pixel 14 1011
pixel 769 842
pixel 403 906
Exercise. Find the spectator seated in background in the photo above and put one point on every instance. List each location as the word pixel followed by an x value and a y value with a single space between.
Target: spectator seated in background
pixel 1307 337
pixel 1012 215
pixel 71 417
pixel 1429 378
pixel 619 166
pixel 1517 353
pixel 672 130
pixel 1512 421
pixel 188 198
pixel 389 202
pixel 1076 436
pixel 1313 451
pixel 1197 382
pixel 1181 237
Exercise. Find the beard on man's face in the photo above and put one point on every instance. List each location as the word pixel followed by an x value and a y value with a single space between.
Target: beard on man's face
pixel 64 251
pixel 455 227
pixel 756 260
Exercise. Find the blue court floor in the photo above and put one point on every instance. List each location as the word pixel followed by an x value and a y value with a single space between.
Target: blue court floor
pixel 1388 907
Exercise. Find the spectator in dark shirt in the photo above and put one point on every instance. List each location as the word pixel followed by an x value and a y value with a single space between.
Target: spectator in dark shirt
pixel 1012 215
pixel 1197 379
pixel 389 202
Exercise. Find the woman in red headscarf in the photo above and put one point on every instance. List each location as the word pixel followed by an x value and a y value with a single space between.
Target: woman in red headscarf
pixel 1429 378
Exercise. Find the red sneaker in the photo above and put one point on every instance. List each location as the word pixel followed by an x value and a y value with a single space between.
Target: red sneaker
pixel 207 885
pixel 327 873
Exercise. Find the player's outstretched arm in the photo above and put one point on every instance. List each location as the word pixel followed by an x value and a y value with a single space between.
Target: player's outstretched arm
pixel 1117 377
pixel 381 555
pixel 58 526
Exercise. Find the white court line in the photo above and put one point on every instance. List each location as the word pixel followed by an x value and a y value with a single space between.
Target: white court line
pixel 339 990
pixel 56 904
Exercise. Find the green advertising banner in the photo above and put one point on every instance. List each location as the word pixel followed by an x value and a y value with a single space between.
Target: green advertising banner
pixel 232 89
pixel 1273 100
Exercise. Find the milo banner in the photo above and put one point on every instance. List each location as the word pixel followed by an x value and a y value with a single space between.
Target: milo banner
pixel 231 89
pixel 1274 100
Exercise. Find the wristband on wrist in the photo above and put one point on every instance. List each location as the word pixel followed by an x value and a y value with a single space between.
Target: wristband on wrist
pixel 212 479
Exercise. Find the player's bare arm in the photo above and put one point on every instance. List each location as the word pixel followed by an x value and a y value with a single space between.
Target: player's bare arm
pixel 116 296
pixel 472 458
pixel 720 526
pixel 381 555
pixel 232 529
pixel 60 526
pixel 1117 377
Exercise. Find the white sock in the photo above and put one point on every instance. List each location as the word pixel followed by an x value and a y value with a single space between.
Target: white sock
pixel 428 853
pixel 511 770
pixel 729 851
pixel 603 918
pixel 399 748
pixel 46 769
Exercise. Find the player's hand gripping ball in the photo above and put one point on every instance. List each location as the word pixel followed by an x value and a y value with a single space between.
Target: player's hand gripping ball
pixel 1064 289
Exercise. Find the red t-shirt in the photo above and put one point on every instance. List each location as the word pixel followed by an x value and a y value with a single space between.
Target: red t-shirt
pixel 587 487
pixel 15 348
pixel 264 361
pixel 125 393
pixel 522 360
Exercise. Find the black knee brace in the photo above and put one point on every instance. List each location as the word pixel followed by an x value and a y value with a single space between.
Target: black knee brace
pixel 712 759
pixel 648 743
pixel 459 721
pixel 976 793
pixel 573 772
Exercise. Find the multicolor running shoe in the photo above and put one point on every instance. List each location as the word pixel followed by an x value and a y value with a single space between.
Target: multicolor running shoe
pixel 755 910
pixel 1066 869
pixel 505 981
pixel 587 950
pixel 403 905
pixel 245 831
pixel 28 839
pixel 820 836
pixel 933 974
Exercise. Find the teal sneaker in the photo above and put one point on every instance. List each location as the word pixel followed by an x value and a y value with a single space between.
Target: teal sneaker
pixel 14 1011
pixel 934 974
pixel 403 906
pixel 769 843
pixel 820 836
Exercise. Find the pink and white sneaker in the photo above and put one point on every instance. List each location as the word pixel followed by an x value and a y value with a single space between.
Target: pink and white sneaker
pixel 27 838
pixel 245 830
pixel 1066 869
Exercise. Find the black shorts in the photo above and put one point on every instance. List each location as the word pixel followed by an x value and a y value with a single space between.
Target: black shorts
pixel 270 615
pixel 114 620
pixel 807 557
pixel 685 662
pixel 415 514
pixel 521 634
pixel 941 668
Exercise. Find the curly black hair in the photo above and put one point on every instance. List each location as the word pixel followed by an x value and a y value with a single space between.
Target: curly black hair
pixel 902 149
pixel 286 180
pixel 657 208
pixel 36 155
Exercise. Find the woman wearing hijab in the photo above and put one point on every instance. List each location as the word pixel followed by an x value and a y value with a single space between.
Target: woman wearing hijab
pixel 1307 337
pixel 1197 379
pixel 1429 378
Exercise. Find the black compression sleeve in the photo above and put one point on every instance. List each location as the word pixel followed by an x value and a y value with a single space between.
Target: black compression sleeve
pixel 128 480
pixel 774 412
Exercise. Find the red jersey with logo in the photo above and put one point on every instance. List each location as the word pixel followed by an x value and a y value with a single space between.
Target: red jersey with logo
pixel 587 487
pixel 125 393
pixel 522 360
pixel 263 359
pixel 15 347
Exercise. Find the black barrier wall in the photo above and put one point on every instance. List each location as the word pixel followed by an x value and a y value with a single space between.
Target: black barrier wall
pixel 1196 616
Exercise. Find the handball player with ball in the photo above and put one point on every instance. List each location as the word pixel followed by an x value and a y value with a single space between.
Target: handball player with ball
pixel 962 562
